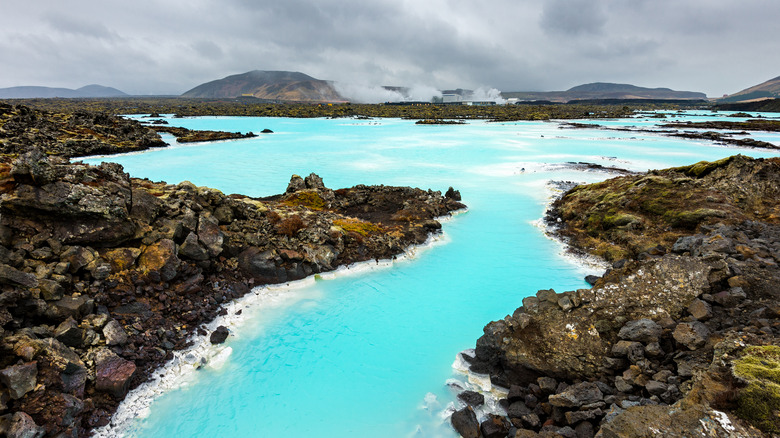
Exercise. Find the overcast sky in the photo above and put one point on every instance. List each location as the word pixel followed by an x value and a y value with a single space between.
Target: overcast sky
pixel 168 47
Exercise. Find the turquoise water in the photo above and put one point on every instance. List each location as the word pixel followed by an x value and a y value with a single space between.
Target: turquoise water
pixel 369 352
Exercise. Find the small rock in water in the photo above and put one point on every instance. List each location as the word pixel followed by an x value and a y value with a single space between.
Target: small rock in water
pixel 219 335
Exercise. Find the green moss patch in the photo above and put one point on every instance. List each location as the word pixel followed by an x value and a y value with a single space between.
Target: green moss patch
pixel 357 226
pixel 310 200
pixel 759 402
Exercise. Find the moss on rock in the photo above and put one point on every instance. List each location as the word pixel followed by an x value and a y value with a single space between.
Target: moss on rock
pixel 759 402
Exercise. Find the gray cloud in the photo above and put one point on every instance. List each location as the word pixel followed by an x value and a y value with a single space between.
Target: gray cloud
pixel 573 17
pixel 146 47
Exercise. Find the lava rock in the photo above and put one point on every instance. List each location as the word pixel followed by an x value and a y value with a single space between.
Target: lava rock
pixel 19 379
pixel 219 335
pixel 577 395
pixel 113 373
pixel 465 423
pixel 691 334
pixel 641 330
pixel 114 333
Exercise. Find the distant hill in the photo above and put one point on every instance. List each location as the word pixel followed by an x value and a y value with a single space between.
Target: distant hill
pixel 274 85
pixel 606 90
pixel 31 92
pixel 765 90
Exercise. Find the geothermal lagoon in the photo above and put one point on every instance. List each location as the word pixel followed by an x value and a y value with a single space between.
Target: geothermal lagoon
pixel 371 350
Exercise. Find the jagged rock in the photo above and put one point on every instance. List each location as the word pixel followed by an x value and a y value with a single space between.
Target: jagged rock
pixel 731 297
pixel 472 398
pixel 465 423
pixel 296 184
pixel 12 276
pixel 113 373
pixel 192 249
pixel 452 194
pixel 121 258
pixel 577 395
pixel 260 265
pixel 700 310
pixel 51 290
pixel 20 425
pixel 633 350
pixel 574 417
pixel 114 333
pixel 313 181
pixel 73 373
pixel 72 306
pixel 210 235
pixel 495 426
pixel 642 330
pixel 568 344
pixel 691 334
pixel 161 257
pixel 69 333
pixel 19 379
pixel 219 335
pixel 78 257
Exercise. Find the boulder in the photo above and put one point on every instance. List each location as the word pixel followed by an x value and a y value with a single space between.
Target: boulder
pixel 209 234
pixel 72 307
pixel 51 290
pixel 114 333
pixel 161 257
pixel 641 330
pixel 313 181
pixel 296 184
pixel 465 423
pixel 19 379
pixel 472 398
pixel 73 373
pixel 192 249
pixel 20 425
pixel 700 310
pixel 219 335
pixel 14 277
pixel 577 395
pixel 69 333
pixel 121 259
pixel 495 426
pixel 569 344
pixel 691 334
pixel 260 265
pixel 113 373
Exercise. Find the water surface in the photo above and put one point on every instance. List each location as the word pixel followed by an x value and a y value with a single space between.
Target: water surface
pixel 369 353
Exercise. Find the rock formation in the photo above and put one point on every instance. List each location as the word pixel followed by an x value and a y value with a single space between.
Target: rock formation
pixel 679 339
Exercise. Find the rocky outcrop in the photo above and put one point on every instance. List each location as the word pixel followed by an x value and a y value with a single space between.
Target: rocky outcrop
pixel 666 341
pixel 103 276
pixel 72 134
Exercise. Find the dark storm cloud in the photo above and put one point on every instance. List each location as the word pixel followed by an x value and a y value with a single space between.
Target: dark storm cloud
pixel 715 46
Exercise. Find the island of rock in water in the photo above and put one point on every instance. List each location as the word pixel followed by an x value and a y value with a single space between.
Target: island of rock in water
pixel 103 276
pixel 678 339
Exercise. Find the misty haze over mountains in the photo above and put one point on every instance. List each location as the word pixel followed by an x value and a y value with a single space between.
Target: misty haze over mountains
pixel 286 86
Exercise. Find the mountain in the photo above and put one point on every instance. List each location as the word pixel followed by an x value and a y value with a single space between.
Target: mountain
pixel 273 85
pixel 606 90
pixel 31 92
pixel 765 90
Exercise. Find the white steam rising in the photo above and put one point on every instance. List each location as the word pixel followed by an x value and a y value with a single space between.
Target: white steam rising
pixel 360 93
pixel 484 94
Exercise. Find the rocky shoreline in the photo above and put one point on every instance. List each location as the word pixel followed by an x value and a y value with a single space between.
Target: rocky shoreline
pixel 679 338
pixel 103 276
